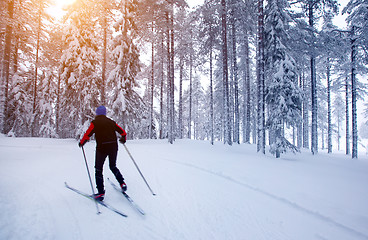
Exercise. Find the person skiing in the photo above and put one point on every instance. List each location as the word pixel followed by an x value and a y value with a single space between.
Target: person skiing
pixel 106 145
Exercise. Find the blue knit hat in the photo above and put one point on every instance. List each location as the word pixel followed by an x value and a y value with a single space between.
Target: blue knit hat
pixel 101 110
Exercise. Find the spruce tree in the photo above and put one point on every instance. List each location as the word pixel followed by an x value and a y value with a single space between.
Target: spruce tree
pixel 79 63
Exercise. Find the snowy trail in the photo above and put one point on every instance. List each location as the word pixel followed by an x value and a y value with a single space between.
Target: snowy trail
pixel 203 192
pixel 31 212
pixel 280 199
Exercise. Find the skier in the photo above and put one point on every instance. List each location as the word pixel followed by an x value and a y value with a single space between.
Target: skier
pixel 106 145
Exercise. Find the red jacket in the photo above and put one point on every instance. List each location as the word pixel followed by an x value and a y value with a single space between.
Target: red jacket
pixel 105 131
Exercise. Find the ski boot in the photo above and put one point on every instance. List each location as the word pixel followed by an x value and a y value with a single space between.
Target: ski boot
pixel 99 196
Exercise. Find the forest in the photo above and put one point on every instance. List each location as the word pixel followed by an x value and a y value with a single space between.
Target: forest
pixel 275 73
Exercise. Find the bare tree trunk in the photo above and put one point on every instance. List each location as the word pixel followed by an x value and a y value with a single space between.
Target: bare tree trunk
pixel 260 79
pixel 329 131
pixel 6 65
pixel 211 88
pixel 58 93
pixel 347 117
pixel 151 86
pixel 314 135
pixel 211 97
pixel 338 132
pixel 162 89
pixel 36 71
pixel 170 78
pixel 181 70
pixel 305 114
pixel 300 124
pixel 354 126
pixel 235 78
pixel 225 76
pixel 104 57
pixel 190 93
pixel 15 55
pixel 247 109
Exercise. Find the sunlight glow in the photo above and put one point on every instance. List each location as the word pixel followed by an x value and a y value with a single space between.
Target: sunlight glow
pixel 57 9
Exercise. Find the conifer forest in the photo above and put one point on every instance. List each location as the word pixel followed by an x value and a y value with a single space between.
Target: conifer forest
pixel 276 73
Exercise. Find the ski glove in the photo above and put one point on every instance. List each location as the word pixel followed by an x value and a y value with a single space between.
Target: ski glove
pixel 123 139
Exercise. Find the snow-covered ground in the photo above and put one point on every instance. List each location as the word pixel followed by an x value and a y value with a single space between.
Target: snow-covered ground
pixel 203 192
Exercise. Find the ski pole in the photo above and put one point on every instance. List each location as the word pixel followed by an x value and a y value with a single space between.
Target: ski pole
pixel 131 157
pixel 90 180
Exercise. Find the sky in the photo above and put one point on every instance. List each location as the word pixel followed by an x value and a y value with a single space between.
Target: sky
pixel 194 3
pixel 340 19
pixel 56 9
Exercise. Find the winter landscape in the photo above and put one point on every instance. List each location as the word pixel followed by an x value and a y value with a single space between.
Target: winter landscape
pixel 203 192
pixel 248 118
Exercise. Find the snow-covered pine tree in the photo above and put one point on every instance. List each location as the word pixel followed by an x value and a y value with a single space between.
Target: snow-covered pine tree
pixel 27 36
pixel 219 102
pixel 54 86
pixel 322 107
pixel 39 12
pixel 20 103
pixel 331 48
pixel 246 14
pixel 299 52
pixel 16 38
pixel 79 64
pixel 199 112
pixel 53 51
pixel 283 95
pixel 125 102
pixel 208 24
pixel 312 8
pixel 357 19
pixel 104 10
pixel 150 18
pixel 182 52
pixel 341 83
pixel 46 101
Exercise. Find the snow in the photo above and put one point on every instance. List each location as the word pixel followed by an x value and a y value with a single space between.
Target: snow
pixel 203 192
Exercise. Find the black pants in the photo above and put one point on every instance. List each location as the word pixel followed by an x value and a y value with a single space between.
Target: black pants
pixel 110 150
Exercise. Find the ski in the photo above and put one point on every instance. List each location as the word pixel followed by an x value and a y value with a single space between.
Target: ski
pixel 99 202
pixel 128 198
